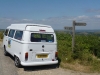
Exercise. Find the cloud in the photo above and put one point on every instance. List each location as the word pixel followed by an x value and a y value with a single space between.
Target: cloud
pixel 97 16
pixel 81 18
pixel 57 22
pixel 26 19
pixel 93 10
pixel 5 19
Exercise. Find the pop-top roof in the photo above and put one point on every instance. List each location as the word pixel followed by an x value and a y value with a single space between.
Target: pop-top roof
pixel 23 26
pixel 31 27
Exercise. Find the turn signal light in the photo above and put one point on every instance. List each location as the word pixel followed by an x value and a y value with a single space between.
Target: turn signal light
pixel 26 56
pixel 56 54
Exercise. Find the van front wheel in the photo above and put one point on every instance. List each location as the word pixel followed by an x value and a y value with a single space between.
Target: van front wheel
pixel 17 62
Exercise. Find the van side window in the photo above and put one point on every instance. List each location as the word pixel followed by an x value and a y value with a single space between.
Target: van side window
pixel 6 32
pixel 11 33
pixel 18 35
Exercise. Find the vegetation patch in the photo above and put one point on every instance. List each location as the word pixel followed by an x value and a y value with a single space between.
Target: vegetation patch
pixel 77 67
pixel 86 54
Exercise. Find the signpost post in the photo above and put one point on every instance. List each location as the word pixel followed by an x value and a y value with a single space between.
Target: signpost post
pixel 73 31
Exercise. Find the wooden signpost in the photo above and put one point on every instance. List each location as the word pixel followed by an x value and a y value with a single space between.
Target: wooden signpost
pixel 73 31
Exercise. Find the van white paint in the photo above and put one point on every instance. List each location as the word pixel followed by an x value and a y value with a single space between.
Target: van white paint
pixel 18 48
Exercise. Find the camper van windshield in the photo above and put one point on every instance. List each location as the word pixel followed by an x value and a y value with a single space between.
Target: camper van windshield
pixel 37 37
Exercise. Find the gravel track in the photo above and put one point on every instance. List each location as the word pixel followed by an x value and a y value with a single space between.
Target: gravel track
pixel 7 67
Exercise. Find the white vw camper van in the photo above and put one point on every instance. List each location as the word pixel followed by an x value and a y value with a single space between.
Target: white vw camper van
pixel 31 44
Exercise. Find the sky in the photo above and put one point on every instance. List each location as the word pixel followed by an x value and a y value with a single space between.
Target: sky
pixel 57 13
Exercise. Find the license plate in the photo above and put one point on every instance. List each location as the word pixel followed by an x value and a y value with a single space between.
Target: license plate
pixel 42 56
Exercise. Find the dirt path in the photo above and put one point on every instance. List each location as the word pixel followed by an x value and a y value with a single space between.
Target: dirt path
pixel 7 67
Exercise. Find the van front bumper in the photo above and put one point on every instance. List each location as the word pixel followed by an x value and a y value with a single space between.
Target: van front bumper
pixel 39 63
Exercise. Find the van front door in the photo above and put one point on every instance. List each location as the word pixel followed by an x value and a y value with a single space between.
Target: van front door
pixel 9 40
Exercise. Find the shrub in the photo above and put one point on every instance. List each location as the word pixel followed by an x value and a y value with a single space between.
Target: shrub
pixel 86 46
pixel 1 35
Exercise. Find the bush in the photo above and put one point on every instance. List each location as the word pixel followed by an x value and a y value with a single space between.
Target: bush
pixel 1 35
pixel 86 47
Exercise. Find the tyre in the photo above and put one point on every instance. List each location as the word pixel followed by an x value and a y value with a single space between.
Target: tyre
pixel 56 66
pixel 17 62
pixel 5 52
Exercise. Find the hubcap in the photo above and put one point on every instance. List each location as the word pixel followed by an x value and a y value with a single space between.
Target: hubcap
pixel 16 61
